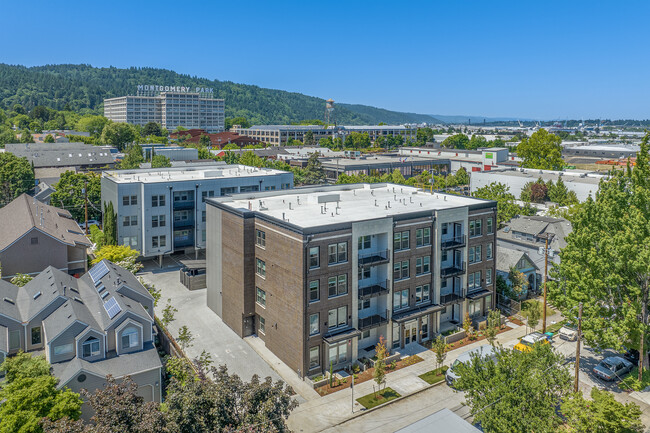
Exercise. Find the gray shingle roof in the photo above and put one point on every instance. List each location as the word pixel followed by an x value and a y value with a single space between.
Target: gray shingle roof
pixel 538 226
pixel 24 214
pixel 61 154
pixel 508 257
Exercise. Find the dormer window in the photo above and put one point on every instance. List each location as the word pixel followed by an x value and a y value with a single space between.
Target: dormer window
pixel 130 338
pixel 90 347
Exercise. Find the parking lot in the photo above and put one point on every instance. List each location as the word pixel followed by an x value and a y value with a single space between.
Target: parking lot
pixel 209 331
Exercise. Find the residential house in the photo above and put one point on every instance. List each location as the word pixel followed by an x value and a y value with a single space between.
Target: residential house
pixel 508 258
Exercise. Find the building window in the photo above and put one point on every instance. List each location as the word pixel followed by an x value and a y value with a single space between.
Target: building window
pixel 365 334
pixel 63 349
pixel 488 251
pixel 130 221
pixel 474 281
pixel 489 226
pixel 337 285
pixel 314 291
pixel 337 317
pixel 364 242
pixel 262 325
pixel 396 335
pixel 364 272
pixel 157 200
pixel 337 253
pixel 422 265
pixel 422 293
pixel 424 327
pixel 338 353
pixel 158 241
pixel 475 228
pixel 313 257
pixel 364 304
pixel 474 308
pixel 203 216
pixel 36 335
pixel 260 238
pixel 401 240
pixel 129 200
pixel 423 237
pixel 488 277
pixel 260 268
pixel 400 299
pixel 314 324
pixel 33 241
pixel 129 338
pixel 205 194
pixel 314 357
pixel 90 347
pixel 131 241
pixel 260 296
pixel 401 270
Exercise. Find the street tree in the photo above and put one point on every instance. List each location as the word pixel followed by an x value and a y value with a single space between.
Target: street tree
pixel 16 177
pixel 185 338
pixel 602 414
pixel 439 347
pixel 492 326
pixel 518 392
pixel 69 194
pixel 118 135
pixel 30 394
pixel 168 313
pixel 606 263
pixel 542 150
pixel 534 313
pixel 379 373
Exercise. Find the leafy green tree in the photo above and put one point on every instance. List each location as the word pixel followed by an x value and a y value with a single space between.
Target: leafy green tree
pixel 110 224
pixel 168 313
pixel 152 128
pixel 506 206
pixel 560 194
pixel 603 414
pixel 26 137
pixel 7 135
pixel 92 124
pixel 16 177
pixel 492 326
pixel 517 393
pixel 241 121
pixel 69 194
pixel 29 394
pixel 133 157
pixel 160 161
pixel 97 236
pixel 439 347
pixel 542 150
pixel 21 279
pixel 423 136
pixel 48 139
pixel 458 141
pixel 476 142
pixel 606 263
pixel 185 338
pixel 204 140
pixel 118 135
pixel 534 312
pixel 121 255
pixel 461 177
pixel 309 139
pixel 314 172
pixel 379 373
pixel 534 192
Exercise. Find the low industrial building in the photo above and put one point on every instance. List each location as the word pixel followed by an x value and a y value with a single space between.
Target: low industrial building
pixel 470 160
pixel 320 274
pixel 173 153
pixel 69 156
pixel 34 235
pixel 162 210
pixel 583 183
pixel 89 327
pixel 377 165
pixel 279 135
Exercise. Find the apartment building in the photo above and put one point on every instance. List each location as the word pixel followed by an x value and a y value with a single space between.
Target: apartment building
pixel 169 109
pixel 279 135
pixel 88 327
pixel 321 273
pixel 162 210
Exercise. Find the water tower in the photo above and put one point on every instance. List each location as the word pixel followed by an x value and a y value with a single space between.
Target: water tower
pixel 329 112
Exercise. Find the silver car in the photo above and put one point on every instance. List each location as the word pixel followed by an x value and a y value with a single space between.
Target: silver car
pixel 613 368
pixel 568 332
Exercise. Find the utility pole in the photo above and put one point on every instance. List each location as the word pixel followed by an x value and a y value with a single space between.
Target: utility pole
pixel 575 385
pixel 545 278
pixel 86 201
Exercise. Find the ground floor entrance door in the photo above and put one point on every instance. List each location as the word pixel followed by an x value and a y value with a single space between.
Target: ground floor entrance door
pixel 411 332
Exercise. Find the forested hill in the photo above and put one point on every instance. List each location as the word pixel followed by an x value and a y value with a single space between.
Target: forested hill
pixel 83 88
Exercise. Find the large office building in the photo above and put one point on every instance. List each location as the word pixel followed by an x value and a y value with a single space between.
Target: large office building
pixel 321 273
pixel 169 109
pixel 279 135
pixel 162 210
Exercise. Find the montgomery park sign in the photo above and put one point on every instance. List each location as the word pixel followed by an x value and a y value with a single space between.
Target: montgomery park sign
pixel 181 89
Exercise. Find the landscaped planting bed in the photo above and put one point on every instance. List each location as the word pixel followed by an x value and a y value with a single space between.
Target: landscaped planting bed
pixel 434 376
pixel 375 399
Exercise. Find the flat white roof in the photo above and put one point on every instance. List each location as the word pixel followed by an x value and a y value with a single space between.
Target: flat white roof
pixel 335 204
pixel 177 174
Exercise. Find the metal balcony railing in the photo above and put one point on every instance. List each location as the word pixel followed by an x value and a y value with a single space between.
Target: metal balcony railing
pixel 372 321
pixel 450 298
pixel 372 290
pixel 452 269
pixel 454 242
pixel 374 258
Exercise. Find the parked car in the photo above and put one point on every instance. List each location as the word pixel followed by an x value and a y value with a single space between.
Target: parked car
pixel 90 224
pixel 485 351
pixel 568 332
pixel 612 368
pixel 632 355
pixel 527 342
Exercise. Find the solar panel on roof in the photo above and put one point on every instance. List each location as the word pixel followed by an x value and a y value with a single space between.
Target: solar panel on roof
pixel 98 271
pixel 112 307
pixel 100 288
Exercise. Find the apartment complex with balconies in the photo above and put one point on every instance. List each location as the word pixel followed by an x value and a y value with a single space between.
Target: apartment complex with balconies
pixel 322 273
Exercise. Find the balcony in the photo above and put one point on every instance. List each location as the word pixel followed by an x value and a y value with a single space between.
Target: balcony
pixel 184 223
pixel 183 205
pixel 372 321
pixel 477 292
pixel 452 297
pixel 374 258
pixel 453 242
pixel 452 269
pixel 372 290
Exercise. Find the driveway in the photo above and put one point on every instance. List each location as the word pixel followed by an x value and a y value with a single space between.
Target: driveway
pixel 209 331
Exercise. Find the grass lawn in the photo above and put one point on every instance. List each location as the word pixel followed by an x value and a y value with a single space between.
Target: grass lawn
pixel 434 376
pixel 369 401
pixel 526 304
pixel 631 382
pixel 554 328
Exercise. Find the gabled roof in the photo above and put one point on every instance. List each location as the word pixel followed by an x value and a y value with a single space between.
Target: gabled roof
pixel 8 303
pixel 41 291
pixel 538 226
pixel 26 213
pixel 507 258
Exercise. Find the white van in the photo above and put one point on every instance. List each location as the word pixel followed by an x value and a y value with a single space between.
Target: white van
pixel 485 351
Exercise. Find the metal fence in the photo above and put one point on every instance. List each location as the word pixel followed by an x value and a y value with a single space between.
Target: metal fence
pixel 509 307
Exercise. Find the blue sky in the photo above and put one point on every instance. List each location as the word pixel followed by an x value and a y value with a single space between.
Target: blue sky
pixel 528 59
